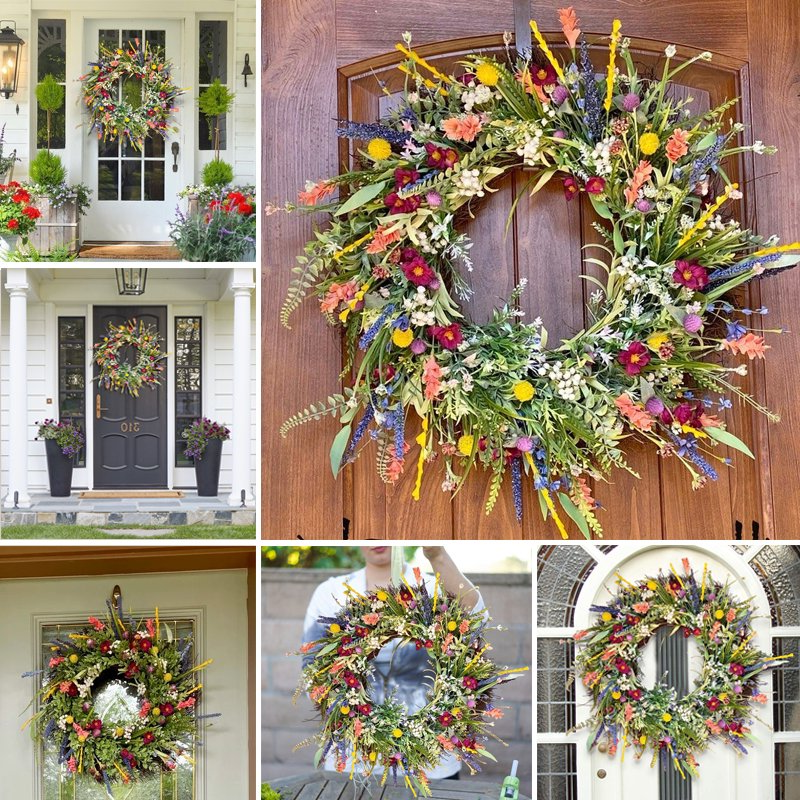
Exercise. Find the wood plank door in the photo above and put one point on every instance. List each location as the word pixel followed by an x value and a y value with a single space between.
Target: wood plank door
pixel 130 433
pixel 326 61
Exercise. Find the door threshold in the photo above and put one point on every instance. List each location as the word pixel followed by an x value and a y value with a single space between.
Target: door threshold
pixel 131 493
pixel 129 251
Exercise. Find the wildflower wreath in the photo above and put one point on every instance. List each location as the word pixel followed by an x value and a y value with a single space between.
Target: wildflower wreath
pixel 718 708
pixel 386 737
pixel 124 376
pixel 388 265
pixel 107 742
pixel 130 94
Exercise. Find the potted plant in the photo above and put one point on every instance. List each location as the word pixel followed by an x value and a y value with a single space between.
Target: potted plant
pixel 223 229
pixel 62 442
pixel 215 101
pixel 204 440
pixel 17 217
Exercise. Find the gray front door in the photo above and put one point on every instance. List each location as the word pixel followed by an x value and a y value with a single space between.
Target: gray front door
pixel 130 433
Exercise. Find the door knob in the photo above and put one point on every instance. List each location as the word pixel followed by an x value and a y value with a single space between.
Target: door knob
pixel 97 408
pixel 176 148
pixel 601 773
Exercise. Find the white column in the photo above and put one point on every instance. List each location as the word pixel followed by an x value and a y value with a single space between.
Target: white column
pixel 241 424
pixel 17 288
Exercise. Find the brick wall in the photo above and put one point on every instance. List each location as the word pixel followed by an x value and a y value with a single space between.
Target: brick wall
pixel 285 596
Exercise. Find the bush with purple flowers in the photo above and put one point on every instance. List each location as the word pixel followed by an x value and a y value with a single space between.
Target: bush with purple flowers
pixel 199 433
pixel 66 435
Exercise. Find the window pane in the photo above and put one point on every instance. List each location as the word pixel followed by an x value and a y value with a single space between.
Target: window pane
pixel 156 39
pixel 107 177
pixel 108 38
pixel 555 691
pixel 787 771
pixel 153 180
pixel 51 60
pixel 778 569
pixel 557 772
pixel 72 375
pixel 213 55
pixel 206 133
pixel 130 35
pixel 154 146
pixel 188 381
pixel 131 180
pixel 786 686
pixel 560 573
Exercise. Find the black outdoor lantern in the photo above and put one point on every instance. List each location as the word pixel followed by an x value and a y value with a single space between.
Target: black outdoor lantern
pixel 247 70
pixel 131 280
pixel 10 45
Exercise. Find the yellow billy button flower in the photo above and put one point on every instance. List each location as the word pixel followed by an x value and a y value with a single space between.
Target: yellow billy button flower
pixel 719 614
pixel 652 585
pixel 524 391
pixel 487 74
pixel 73 659
pixel 649 143
pixel 382 596
pixel 379 149
pixel 616 695
pixel 397 733
pixel 666 717
pixel 656 341
pixel 154 650
pixel 465 444
pixel 643 739
pixel 451 626
pixel 345 710
pixel 167 677
pixel 373 756
pixel 606 616
pixel 335 628
pixel 402 338
pixel 119 732
pixel 156 712
pixel 70 719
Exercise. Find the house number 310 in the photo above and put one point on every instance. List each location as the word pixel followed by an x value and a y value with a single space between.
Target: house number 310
pixel 129 427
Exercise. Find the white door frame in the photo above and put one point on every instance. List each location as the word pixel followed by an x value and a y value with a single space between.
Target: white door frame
pixel 757 768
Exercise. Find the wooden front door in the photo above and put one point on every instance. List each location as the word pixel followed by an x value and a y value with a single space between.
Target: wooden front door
pixel 130 433
pixel 347 50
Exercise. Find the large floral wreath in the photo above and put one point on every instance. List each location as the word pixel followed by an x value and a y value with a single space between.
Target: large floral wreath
pixel 101 742
pixel 386 737
pixel 719 707
pixel 388 265
pixel 125 376
pixel 147 99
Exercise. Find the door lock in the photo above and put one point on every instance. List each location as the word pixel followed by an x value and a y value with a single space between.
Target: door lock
pixel 176 148
pixel 601 773
pixel 97 408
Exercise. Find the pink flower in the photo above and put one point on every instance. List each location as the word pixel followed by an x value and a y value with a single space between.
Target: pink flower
pixel 431 377
pixel 641 608
pixel 596 185
pixel 188 703
pixel 571 187
pixel 96 624
pixel 338 293
pixel 371 618
pixel 677 144
pixel 634 358
pixel 731 615
pixel 462 129
pixel 56 660
pixel 692 323
pixel 448 336
pixel 419 273
pixel 578 635
pixel 690 274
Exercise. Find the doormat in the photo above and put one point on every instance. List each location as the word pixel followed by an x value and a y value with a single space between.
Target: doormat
pixel 128 251
pixel 132 493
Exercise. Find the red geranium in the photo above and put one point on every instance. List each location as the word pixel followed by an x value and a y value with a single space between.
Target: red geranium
pixel 12 224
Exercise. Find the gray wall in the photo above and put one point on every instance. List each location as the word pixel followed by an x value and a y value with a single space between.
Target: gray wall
pixel 285 596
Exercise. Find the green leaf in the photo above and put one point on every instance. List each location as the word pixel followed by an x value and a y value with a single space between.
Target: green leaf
pixel 600 207
pixel 706 141
pixel 575 514
pixel 360 198
pixel 338 447
pixel 318 757
pixel 619 244
pixel 486 754
pixel 726 437
pixel 542 505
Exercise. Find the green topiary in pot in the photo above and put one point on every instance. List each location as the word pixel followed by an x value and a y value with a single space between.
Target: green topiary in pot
pixel 215 101
pixel 47 170
pixel 50 96
pixel 217 173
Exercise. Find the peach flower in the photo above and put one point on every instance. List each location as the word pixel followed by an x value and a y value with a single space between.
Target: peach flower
pixel 463 129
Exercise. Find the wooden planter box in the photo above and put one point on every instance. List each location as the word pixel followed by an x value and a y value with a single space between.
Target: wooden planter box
pixel 56 227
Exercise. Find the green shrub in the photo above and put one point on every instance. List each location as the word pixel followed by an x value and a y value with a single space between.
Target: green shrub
pixel 30 253
pixel 47 170
pixel 214 101
pixel 217 173
pixel 268 793
pixel 50 96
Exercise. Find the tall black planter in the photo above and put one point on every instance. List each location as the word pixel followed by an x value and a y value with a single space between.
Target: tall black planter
pixel 59 469
pixel 207 469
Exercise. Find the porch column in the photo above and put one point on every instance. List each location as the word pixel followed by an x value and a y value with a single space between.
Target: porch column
pixel 241 434
pixel 17 288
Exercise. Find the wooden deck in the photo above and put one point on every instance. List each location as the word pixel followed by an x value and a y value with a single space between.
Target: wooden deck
pixel 332 786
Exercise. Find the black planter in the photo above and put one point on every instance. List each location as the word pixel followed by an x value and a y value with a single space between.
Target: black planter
pixel 59 469
pixel 207 469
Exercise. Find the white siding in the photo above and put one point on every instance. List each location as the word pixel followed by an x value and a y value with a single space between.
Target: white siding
pixel 244 110
pixel 17 134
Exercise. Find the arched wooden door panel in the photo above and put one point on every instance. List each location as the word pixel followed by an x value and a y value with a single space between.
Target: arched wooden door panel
pixel 543 244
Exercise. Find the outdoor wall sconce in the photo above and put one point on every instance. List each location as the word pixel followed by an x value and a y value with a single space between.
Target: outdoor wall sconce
pixel 131 280
pixel 10 45
pixel 246 71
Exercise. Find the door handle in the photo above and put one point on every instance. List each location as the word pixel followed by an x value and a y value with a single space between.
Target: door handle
pixel 176 148
pixel 97 408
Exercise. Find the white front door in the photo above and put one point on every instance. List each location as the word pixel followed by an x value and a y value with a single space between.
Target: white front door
pixel 723 773
pixel 134 193
pixel 212 603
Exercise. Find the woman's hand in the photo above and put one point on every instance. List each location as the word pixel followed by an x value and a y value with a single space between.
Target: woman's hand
pixel 434 554
pixel 451 578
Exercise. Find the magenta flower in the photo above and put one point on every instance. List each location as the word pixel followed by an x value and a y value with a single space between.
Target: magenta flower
pixel 631 101
pixel 736 669
pixel 401 205
pixel 418 347
pixel 404 177
pixel 692 323
pixel 571 187
pixel 654 405
pixel 690 274
pixel 596 185
pixel 634 358
pixel 440 157
pixel 448 336
pixel 419 273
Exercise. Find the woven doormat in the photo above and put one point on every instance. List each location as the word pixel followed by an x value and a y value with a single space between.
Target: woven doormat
pixel 130 493
pixel 129 252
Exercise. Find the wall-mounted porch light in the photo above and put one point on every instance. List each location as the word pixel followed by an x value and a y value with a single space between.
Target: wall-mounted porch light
pixel 131 280
pixel 246 71
pixel 10 45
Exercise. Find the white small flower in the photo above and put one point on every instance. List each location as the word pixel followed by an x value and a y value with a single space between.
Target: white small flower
pixel 670 50
pixel 759 147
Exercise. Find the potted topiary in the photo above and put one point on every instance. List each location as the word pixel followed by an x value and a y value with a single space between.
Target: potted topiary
pixel 215 101
pixel 60 204
pixel 62 442
pixel 204 440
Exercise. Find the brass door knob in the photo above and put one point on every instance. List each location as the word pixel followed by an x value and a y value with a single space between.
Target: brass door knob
pixel 97 407
pixel 601 773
